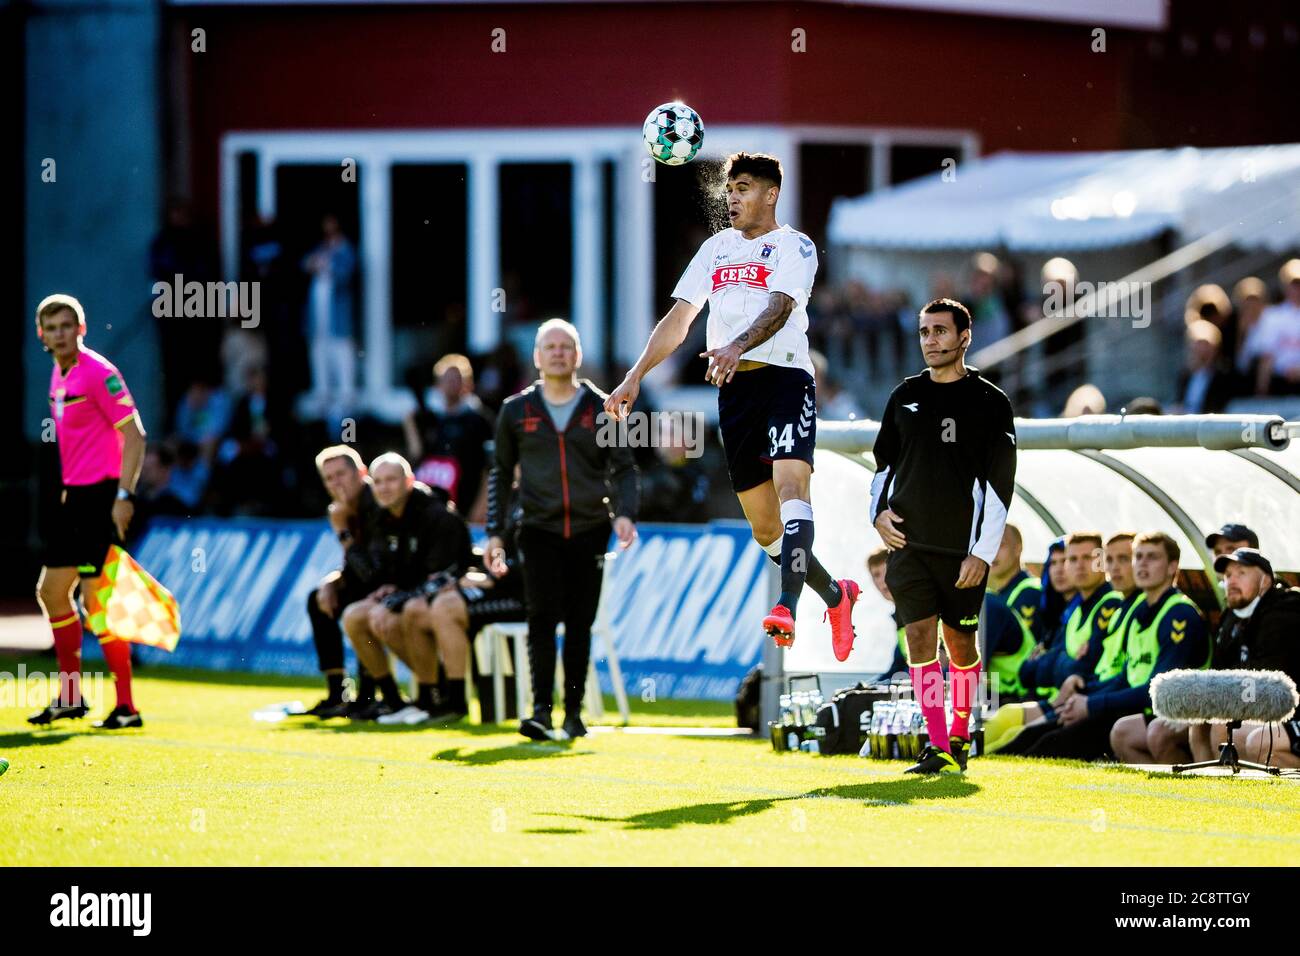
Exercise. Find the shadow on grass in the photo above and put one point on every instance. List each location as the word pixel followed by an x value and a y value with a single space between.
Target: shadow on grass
pixel 36 738
pixel 520 751
pixel 341 725
pixel 883 792
pixel 556 831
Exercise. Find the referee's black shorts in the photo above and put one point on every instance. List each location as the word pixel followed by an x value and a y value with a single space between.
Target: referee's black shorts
pixel 81 528
pixel 924 584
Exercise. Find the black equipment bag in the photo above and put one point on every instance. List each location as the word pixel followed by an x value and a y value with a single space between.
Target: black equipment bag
pixel 841 717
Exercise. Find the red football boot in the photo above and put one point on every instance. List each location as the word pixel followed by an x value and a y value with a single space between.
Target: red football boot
pixel 780 624
pixel 841 618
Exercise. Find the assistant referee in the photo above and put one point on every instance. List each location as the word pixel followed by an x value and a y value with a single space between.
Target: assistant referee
pixel 946 460
pixel 570 489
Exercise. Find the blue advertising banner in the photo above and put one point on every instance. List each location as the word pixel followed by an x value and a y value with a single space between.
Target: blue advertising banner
pixel 682 604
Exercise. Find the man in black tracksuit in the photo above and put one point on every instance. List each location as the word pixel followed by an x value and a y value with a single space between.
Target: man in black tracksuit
pixel 351 511
pixel 571 486
pixel 946 466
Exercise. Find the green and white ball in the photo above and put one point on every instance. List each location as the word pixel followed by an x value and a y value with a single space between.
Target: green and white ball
pixel 4 765
pixel 673 133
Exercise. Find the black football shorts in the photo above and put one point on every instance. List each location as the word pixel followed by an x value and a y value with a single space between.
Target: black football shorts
pixel 924 584
pixel 766 414
pixel 82 528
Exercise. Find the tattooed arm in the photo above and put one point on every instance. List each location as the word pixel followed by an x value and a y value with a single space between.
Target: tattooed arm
pixel 723 361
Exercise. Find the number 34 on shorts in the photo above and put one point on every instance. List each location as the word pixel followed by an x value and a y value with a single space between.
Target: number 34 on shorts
pixel 795 439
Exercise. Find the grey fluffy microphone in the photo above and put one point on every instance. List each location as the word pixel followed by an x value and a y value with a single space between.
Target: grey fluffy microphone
pixel 1217 697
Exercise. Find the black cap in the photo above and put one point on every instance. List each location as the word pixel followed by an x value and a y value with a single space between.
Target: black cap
pixel 1234 532
pixel 1250 556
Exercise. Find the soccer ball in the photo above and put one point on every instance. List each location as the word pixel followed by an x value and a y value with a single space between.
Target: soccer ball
pixel 673 133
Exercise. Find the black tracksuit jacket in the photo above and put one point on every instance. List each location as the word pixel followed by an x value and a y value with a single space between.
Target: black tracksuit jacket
pixel 568 482
pixel 428 537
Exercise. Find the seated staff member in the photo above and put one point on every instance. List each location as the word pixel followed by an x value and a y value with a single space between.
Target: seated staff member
pixel 1166 632
pixel 450 619
pixel 1052 675
pixel 351 512
pixel 876 562
pixel 415 536
pixel 1009 580
pixel 1009 642
pixel 1258 631
pixel 1086 624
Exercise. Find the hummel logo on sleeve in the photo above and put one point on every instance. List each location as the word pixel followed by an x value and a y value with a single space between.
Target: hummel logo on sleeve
pixel 911 406
pixel 1012 436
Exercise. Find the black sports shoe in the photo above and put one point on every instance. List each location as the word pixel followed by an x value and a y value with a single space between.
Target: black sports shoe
pixel 354 707
pixel 56 711
pixel 444 713
pixel 538 726
pixel 327 709
pixel 934 761
pixel 119 718
pixel 574 727
pixel 960 748
pixel 373 710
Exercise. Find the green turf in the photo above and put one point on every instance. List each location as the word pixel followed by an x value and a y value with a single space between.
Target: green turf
pixel 205 784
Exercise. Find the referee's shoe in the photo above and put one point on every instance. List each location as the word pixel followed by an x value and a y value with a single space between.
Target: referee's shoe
pixel 56 711
pixel 935 761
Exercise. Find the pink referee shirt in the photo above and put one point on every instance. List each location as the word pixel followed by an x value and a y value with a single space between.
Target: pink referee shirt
pixel 88 403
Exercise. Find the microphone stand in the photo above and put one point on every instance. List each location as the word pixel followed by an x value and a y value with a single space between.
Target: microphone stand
pixel 1229 758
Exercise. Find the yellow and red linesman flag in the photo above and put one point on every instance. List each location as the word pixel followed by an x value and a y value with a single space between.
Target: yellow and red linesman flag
pixel 128 604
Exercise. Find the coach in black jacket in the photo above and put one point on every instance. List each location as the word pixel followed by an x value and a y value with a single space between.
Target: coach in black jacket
pixel 571 487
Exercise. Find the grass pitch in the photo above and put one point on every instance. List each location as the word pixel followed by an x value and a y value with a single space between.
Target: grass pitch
pixel 203 783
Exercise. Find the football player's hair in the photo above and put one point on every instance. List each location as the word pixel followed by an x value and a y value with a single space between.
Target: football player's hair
pixel 878 557
pixel 392 458
pixel 457 361
pixel 1119 536
pixel 758 165
pixel 1172 551
pixel 339 451
pixel 1084 537
pixel 960 314
pixel 568 328
pixel 52 305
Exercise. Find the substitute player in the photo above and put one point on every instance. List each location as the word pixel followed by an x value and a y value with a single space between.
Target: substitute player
pixel 101 447
pixel 757 277
pixel 946 465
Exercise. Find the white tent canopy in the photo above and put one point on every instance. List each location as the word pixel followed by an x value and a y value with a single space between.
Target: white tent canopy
pixel 1070 201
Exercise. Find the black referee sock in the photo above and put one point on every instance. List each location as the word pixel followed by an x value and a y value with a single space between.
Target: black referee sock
pixel 426 697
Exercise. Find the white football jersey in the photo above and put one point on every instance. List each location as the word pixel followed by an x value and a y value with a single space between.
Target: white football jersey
pixel 737 276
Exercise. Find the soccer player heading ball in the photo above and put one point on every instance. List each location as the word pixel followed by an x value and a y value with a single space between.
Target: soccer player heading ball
pixel 946 460
pixel 757 277
pixel 101 447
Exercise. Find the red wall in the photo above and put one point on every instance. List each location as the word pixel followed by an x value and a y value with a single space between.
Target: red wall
pixel 1019 84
